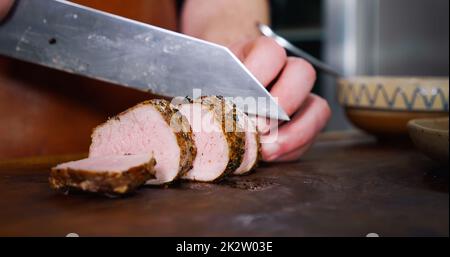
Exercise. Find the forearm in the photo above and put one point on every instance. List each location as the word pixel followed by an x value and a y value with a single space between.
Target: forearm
pixel 224 21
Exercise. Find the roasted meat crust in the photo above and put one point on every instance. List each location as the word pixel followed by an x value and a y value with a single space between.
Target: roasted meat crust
pixel 113 183
pixel 180 126
pixel 226 113
pixel 241 115
pixel 182 130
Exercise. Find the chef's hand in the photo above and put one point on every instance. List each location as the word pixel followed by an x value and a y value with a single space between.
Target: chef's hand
pixel 291 80
pixel 5 5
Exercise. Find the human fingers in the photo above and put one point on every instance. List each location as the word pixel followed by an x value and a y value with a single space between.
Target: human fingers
pixel 301 130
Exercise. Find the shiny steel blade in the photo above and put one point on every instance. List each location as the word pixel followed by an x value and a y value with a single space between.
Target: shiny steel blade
pixel 66 36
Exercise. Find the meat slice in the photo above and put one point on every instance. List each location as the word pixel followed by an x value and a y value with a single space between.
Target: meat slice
pixel 220 145
pixel 154 127
pixel 252 145
pixel 106 174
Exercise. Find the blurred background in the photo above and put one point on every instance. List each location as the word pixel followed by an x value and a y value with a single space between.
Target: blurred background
pixel 357 37
pixel 367 37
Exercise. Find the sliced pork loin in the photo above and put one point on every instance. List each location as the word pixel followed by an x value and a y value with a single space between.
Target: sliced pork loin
pixel 105 174
pixel 154 127
pixel 252 145
pixel 220 145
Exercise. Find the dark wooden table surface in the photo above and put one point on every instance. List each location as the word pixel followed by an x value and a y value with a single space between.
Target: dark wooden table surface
pixel 347 185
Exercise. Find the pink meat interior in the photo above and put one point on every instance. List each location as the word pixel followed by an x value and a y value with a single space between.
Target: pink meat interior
pixel 141 130
pixel 251 145
pixel 107 163
pixel 212 148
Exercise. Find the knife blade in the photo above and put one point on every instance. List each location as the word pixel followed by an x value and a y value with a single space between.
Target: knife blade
pixel 84 41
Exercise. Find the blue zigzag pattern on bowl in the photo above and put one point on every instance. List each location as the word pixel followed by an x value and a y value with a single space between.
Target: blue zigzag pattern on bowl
pixel 409 103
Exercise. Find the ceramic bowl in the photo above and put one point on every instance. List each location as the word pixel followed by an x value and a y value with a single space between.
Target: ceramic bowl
pixel 384 105
pixel 431 137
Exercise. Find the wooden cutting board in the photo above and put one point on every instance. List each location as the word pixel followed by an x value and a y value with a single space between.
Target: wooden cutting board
pixel 347 185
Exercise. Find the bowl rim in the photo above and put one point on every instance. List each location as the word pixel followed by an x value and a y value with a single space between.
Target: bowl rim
pixel 352 91
pixel 381 78
pixel 415 124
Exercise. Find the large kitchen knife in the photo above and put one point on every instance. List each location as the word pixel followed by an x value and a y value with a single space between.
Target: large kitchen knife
pixel 73 38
